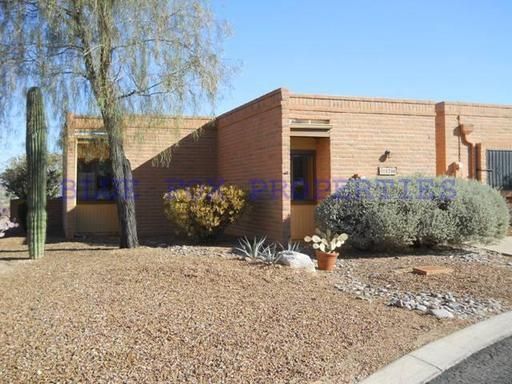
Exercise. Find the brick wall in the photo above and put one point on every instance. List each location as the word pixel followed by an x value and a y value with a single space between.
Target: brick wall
pixel 250 146
pixel 363 129
pixel 254 142
pixel 251 154
pixel 192 157
pixel 162 151
pixel 492 129
pixel 53 211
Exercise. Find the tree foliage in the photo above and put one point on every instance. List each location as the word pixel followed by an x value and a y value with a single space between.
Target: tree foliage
pixel 152 56
pixel 114 57
pixel 15 177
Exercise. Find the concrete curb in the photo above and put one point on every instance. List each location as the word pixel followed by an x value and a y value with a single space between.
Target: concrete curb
pixel 424 364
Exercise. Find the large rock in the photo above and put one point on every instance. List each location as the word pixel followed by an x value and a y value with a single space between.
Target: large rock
pixel 442 313
pixel 296 260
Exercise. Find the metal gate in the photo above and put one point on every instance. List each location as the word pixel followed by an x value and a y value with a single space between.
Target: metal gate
pixel 499 168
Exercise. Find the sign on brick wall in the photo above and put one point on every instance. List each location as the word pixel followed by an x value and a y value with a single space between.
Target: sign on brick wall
pixel 387 171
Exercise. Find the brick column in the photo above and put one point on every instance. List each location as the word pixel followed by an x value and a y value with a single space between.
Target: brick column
pixel 69 178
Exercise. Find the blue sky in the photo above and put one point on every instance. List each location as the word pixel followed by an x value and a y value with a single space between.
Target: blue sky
pixel 435 50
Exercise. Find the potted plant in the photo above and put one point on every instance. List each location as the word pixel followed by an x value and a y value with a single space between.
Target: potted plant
pixel 325 245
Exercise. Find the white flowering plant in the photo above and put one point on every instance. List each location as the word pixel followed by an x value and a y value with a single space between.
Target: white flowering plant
pixel 6 224
pixel 327 241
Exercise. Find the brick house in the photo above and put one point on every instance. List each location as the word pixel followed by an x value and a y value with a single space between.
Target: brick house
pixel 289 150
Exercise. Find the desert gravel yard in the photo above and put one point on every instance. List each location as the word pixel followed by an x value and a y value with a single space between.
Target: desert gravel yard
pixel 93 313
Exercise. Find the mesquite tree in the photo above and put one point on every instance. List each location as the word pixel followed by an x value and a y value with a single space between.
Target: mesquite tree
pixel 115 56
pixel 36 164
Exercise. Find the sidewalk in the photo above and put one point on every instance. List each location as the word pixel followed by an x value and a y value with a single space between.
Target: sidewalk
pixel 504 246
pixel 430 361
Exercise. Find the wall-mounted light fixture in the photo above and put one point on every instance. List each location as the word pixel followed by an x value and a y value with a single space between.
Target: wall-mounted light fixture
pixel 386 155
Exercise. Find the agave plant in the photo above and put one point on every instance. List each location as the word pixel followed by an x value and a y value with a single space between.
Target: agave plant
pixel 270 254
pixel 327 241
pixel 251 249
pixel 291 246
pixel 258 250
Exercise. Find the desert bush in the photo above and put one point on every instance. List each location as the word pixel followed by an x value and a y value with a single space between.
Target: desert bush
pixel 15 177
pixel 418 211
pixel 202 211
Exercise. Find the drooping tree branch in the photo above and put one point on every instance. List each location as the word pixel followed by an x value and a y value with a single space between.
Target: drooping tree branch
pixel 111 57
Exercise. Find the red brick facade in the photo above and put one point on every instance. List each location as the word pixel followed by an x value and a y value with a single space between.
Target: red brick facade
pixel 491 130
pixel 250 154
pixel 188 144
pixel 363 129
pixel 250 146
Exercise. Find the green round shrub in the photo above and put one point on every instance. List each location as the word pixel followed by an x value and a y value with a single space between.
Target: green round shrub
pixel 202 211
pixel 417 211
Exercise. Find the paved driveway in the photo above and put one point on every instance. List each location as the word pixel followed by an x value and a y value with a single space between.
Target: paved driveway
pixel 504 246
pixel 492 365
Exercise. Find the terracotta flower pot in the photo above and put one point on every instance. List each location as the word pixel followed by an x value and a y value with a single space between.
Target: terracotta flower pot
pixel 326 261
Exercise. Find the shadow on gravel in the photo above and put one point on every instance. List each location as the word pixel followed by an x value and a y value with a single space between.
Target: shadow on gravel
pixel 351 253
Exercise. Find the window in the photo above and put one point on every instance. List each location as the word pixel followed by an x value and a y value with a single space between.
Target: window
pixel 95 181
pixel 303 175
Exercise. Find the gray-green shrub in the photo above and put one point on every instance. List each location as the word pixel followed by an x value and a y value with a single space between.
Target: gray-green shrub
pixel 417 211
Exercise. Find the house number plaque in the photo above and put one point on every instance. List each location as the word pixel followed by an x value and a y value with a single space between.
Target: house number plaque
pixel 387 171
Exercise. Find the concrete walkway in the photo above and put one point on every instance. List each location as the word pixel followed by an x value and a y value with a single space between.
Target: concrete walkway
pixel 432 360
pixel 504 246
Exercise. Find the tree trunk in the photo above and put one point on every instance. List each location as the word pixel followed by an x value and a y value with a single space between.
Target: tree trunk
pixel 123 182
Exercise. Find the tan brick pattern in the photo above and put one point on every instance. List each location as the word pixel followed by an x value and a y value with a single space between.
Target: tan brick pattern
pixel 250 148
pixel 189 143
pixel 69 177
pixel 252 144
pixel 363 129
pixel 492 126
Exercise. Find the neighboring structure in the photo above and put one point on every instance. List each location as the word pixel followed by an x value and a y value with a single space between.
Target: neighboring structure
pixel 289 151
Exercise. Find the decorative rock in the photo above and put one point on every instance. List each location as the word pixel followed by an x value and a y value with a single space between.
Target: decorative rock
pixel 421 308
pixel 296 260
pixel 442 313
pixel 458 306
pixel 473 257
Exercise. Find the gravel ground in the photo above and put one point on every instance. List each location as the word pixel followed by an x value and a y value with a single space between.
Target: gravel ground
pixel 93 313
pixel 477 273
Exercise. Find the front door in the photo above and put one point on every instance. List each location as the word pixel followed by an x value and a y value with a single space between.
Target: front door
pixel 303 194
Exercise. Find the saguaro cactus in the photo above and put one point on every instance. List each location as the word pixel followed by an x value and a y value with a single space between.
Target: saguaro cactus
pixel 37 164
